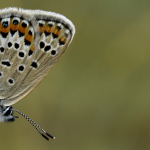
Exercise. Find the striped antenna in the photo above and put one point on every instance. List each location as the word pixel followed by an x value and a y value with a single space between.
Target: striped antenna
pixel 46 135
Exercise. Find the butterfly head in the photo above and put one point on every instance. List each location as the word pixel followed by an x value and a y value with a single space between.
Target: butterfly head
pixel 6 114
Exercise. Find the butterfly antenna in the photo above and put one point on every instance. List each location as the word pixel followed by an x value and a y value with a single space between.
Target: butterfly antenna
pixel 37 127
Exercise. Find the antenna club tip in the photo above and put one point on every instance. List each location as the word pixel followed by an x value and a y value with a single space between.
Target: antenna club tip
pixel 54 138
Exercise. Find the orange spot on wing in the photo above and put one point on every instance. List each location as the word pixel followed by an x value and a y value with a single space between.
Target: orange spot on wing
pixel 48 29
pixel 14 27
pixel 57 32
pixel 29 37
pixel 51 29
pixel 62 39
pixel 0 27
pixel 41 29
pixel 5 30
pixel 32 48
pixel 23 30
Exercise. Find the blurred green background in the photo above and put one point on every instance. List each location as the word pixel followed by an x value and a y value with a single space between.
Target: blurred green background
pixel 98 94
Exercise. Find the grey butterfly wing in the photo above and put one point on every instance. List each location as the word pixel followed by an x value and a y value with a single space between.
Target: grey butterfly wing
pixel 42 37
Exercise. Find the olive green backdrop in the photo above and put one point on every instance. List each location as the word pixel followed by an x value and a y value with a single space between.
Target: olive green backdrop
pixel 97 97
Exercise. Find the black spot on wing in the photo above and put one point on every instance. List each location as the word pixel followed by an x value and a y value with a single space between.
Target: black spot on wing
pixel 26 42
pixel 16 45
pixel 13 32
pixel 30 53
pixel 53 52
pixel 42 44
pixel 6 63
pixel 5 24
pixel 10 81
pixel 47 48
pixel 34 64
pixel 9 44
pixel 54 35
pixel 2 50
pixel 15 22
pixel 47 33
pixel 24 25
pixel 21 34
pixel 21 54
pixel 1 73
pixel 21 68
pixel 30 32
pixel 61 43
pixel 4 35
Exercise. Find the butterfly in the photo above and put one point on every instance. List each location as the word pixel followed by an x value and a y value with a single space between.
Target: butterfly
pixel 31 42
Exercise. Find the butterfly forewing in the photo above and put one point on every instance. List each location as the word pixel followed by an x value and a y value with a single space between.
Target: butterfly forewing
pixel 30 45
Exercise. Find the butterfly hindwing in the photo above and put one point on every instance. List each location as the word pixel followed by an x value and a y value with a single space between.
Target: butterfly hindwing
pixel 34 42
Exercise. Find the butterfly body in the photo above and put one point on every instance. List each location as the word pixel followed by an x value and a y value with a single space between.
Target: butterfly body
pixel 31 42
